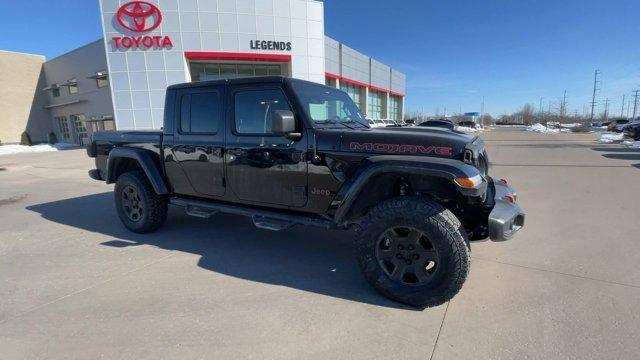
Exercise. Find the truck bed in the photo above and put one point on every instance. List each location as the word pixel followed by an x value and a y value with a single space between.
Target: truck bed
pixel 104 141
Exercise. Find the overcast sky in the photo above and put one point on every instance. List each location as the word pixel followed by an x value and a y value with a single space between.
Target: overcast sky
pixel 454 52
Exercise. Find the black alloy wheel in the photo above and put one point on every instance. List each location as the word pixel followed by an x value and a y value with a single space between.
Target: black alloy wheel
pixel 407 256
pixel 132 203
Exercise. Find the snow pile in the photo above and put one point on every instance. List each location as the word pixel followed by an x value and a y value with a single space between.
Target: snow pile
pixel 467 129
pixel 569 126
pixel 539 128
pixel 632 144
pixel 19 149
pixel 609 137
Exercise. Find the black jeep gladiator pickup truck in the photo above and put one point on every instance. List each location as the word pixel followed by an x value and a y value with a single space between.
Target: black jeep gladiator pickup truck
pixel 289 152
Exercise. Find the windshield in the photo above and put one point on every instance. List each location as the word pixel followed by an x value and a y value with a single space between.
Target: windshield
pixel 329 106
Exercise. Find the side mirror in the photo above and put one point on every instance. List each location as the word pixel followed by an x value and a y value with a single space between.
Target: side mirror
pixel 283 122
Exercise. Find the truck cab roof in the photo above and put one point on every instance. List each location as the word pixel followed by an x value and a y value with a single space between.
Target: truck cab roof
pixel 238 81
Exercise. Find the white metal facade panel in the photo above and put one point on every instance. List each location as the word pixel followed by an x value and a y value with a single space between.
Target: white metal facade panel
pixel 355 65
pixel 380 75
pixel 398 82
pixel 332 56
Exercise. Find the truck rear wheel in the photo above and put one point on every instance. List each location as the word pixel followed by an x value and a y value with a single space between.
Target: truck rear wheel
pixel 413 251
pixel 140 209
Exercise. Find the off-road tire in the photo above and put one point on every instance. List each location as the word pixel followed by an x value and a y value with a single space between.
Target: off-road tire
pixel 443 230
pixel 154 206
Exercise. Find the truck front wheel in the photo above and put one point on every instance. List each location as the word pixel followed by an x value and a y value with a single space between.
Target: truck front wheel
pixel 140 209
pixel 413 251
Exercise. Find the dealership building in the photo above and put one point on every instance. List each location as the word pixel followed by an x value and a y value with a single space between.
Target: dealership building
pixel 119 81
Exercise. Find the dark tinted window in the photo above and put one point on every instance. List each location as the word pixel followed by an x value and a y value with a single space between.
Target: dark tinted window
pixel 254 108
pixel 200 113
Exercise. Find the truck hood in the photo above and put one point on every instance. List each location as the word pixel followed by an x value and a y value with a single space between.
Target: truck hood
pixel 409 141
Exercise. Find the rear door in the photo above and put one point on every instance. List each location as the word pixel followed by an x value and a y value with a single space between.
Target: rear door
pixel 261 167
pixel 198 142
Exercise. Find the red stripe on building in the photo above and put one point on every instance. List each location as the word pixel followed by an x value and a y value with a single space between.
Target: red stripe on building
pixel 214 55
pixel 379 89
pixel 359 83
pixel 332 76
pixel 353 82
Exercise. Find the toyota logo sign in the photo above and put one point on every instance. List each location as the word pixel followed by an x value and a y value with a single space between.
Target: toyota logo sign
pixel 139 16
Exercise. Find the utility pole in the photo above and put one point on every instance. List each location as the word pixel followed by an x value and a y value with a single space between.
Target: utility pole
pixel 541 110
pixel 482 112
pixel 635 103
pixel 623 101
pixel 595 88
pixel 606 109
pixel 563 106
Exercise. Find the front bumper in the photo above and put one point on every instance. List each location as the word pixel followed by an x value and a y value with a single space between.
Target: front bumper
pixel 506 218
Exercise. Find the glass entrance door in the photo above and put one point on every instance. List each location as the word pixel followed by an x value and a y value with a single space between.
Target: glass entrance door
pixel 78 122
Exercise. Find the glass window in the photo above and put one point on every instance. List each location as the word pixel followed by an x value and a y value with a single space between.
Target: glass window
pixel 254 108
pixel 325 105
pixel 261 70
pixel 274 70
pixel 352 90
pixel 375 105
pixel 79 125
pixel 228 71
pixel 245 70
pixel 63 128
pixel 213 71
pixel 200 113
pixel 394 107
pixel 102 81
pixel 73 86
pixel 109 125
pixel 330 82
pixel 198 72
pixel 55 91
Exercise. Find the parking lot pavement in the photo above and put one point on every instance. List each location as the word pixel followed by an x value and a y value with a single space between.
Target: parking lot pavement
pixel 75 284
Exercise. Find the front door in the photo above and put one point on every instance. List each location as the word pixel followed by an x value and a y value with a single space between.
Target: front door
pixel 264 168
pixel 198 143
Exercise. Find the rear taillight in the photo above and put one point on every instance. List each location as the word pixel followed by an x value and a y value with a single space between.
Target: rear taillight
pixel 510 198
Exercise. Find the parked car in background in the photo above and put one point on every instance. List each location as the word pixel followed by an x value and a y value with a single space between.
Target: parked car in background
pixel 632 130
pixel 467 123
pixel 442 123
pixel 390 123
pixel 375 123
pixel 617 124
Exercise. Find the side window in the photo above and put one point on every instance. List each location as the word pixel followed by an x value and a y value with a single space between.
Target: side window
pixel 200 113
pixel 254 108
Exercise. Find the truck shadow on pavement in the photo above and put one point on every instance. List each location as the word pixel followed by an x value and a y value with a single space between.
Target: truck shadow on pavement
pixel 304 258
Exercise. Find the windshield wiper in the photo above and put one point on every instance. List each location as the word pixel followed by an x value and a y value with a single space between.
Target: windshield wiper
pixel 355 122
pixel 334 122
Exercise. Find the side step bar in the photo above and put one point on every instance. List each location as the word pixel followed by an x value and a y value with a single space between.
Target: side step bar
pixel 263 219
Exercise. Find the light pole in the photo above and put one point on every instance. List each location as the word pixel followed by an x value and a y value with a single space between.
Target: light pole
pixel 541 111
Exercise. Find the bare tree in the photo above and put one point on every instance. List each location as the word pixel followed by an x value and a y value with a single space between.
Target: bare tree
pixel 527 114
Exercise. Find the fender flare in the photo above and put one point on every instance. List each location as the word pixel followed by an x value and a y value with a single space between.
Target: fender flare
pixel 447 169
pixel 146 162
